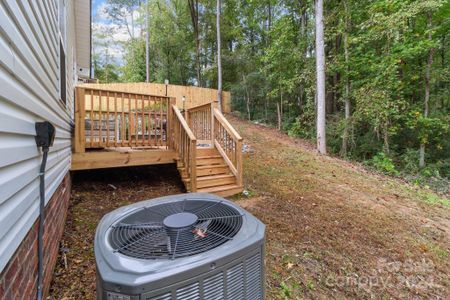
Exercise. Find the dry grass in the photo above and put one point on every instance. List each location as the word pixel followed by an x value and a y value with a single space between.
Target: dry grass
pixel 337 231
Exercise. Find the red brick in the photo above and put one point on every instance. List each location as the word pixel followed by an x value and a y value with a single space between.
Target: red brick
pixel 2 289
pixel 19 278
pixel 10 273
pixel 8 295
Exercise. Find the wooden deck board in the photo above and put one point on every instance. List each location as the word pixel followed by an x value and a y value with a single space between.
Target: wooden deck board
pixel 121 158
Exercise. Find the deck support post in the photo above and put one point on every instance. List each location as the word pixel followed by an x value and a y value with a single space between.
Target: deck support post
pixel 239 162
pixel 80 112
pixel 170 128
pixel 193 165
pixel 212 125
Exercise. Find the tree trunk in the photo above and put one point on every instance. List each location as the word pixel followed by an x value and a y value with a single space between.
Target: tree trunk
pixel 320 70
pixel 386 146
pixel 347 107
pixel 247 97
pixel 249 116
pixel 279 115
pixel 427 89
pixel 280 111
pixel 132 24
pixel 193 8
pixel 147 44
pixel 219 57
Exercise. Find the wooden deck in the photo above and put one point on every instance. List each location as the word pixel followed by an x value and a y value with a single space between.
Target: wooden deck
pixel 121 157
pixel 117 129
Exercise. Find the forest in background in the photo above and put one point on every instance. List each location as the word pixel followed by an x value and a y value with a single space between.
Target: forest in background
pixel 387 72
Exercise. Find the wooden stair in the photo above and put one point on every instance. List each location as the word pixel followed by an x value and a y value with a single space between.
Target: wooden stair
pixel 213 174
pixel 216 168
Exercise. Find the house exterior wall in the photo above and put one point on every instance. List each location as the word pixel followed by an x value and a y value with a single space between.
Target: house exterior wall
pixel 18 279
pixel 29 92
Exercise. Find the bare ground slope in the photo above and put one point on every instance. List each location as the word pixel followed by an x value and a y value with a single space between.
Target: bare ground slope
pixel 336 230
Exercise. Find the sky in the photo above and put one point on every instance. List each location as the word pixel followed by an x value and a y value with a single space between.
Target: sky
pixel 101 24
pixel 95 5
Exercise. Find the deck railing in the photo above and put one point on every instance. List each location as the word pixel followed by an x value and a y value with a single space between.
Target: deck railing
pixel 115 119
pixel 106 119
pixel 184 142
pixel 228 142
pixel 200 121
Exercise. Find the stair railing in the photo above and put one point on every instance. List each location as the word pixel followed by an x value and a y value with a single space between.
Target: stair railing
pixel 200 121
pixel 228 142
pixel 184 142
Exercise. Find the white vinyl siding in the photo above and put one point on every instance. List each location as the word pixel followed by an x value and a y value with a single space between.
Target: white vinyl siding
pixel 29 78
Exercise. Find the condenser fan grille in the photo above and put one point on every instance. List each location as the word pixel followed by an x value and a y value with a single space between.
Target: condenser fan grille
pixel 176 229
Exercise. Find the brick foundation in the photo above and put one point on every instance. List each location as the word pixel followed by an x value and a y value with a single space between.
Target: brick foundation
pixel 18 279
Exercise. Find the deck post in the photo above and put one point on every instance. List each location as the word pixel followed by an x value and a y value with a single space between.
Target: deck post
pixel 193 165
pixel 239 162
pixel 212 125
pixel 170 129
pixel 80 112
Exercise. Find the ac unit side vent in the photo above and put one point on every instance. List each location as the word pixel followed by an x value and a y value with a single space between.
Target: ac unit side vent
pixel 235 282
pixel 190 292
pixel 213 287
pixel 166 296
pixel 253 277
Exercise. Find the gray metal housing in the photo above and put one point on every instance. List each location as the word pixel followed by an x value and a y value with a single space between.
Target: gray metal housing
pixel 233 270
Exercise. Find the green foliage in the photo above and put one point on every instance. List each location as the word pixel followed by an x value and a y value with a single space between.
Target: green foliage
pixel 304 125
pixel 285 290
pixel 409 161
pixel 134 69
pixel 383 163
pixel 429 130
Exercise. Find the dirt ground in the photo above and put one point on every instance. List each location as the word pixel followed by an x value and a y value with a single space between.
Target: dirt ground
pixel 334 229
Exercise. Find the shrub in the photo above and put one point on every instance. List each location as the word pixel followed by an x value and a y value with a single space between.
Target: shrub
pixel 383 163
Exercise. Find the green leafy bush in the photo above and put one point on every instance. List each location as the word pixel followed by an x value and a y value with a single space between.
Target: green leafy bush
pixel 383 163
pixel 410 161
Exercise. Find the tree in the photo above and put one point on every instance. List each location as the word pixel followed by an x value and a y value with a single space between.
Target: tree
pixel 320 77
pixel 134 69
pixel 193 9
pixel 121 11
pixel 219 56
pixel 147 43
pixel 347 101
pixel 427 87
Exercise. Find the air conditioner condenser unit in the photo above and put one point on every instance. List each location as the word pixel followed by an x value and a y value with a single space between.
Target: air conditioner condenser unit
pixel 181 247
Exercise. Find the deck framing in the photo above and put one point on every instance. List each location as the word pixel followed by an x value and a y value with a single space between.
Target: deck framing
pixel 112 159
